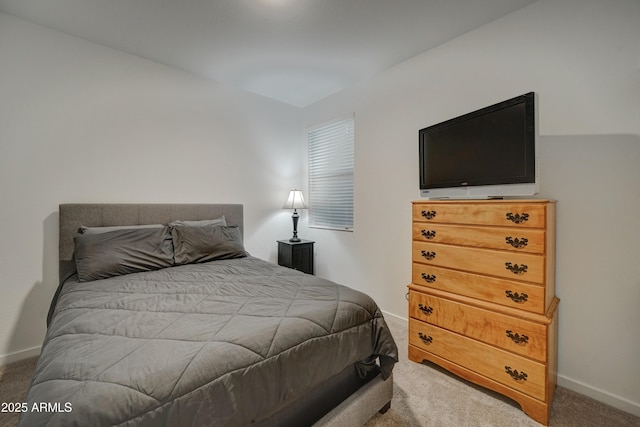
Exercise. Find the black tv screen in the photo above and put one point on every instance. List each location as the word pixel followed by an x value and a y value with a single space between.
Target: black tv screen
pixel 491 146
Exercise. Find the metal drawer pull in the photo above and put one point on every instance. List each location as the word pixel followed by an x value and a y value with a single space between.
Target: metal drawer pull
pixel 425 310
pixel 517 218
pixel 427 339
pixel 516 297
pixel 517 338
pixel 429 214
pixel 428 255
pixel 429 278
pixel 517 376
pixel 428 234
pixel 515 268
pixel 517 243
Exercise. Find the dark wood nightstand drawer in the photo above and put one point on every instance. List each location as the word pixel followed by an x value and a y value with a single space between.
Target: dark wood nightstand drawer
pixel 296 255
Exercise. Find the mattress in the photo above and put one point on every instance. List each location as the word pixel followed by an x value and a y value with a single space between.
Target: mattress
pixel 227 342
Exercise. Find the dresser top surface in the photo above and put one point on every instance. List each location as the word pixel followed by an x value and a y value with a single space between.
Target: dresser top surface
pixel 482 201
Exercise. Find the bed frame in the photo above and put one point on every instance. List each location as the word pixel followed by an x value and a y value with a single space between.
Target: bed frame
pixel 362 399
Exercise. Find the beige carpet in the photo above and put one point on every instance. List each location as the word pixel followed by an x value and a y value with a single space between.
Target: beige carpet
pixel 14 382
pixel 423 396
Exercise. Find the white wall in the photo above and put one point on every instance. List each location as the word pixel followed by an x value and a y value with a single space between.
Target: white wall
pixel 583 60
pixel 83 123
pixel 77 121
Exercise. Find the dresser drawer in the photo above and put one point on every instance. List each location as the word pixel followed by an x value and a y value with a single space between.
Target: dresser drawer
pixel 519 266
pixel 528 240
pixel 502 366
pixel 522 215
pixel 525 296
pixel 516 335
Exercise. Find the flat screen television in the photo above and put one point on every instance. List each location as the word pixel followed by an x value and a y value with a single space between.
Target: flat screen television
pixel 487 153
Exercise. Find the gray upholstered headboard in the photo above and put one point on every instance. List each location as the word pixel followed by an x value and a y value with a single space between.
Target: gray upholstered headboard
pixel 72 216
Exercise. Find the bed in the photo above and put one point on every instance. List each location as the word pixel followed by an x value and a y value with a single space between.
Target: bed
pixel 188 329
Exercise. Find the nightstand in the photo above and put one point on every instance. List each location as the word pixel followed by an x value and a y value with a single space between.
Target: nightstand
pixel 296 255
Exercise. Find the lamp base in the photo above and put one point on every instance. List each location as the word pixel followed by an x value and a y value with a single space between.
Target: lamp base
pixel 295 217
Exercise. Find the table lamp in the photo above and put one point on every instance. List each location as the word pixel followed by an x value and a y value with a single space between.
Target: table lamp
pixel 295 201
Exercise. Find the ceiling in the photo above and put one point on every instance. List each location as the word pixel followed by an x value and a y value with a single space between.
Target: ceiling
pixel 294 51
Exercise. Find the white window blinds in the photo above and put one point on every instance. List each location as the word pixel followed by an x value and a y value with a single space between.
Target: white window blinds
pixel 331 175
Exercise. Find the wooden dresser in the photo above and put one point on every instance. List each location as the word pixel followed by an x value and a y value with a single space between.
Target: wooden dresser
pixel 482 300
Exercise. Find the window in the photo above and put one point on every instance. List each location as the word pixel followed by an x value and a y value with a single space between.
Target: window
pixel 331 175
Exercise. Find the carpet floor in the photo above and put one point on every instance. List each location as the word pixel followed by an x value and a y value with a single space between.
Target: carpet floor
pixel 424 395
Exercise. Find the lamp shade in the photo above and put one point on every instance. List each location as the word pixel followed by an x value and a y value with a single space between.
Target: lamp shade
pixel 295 200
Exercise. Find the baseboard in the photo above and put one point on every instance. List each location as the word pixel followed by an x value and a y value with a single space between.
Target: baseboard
pixel 20 355
pixel 395 316
pixel 600 395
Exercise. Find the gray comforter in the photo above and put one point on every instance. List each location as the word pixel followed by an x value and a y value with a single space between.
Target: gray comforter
pixel 221 343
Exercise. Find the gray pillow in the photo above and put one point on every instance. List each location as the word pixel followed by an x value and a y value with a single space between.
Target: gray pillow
pixel 97 230
pixel 200 244
pixel 118 252
pixel 200 223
